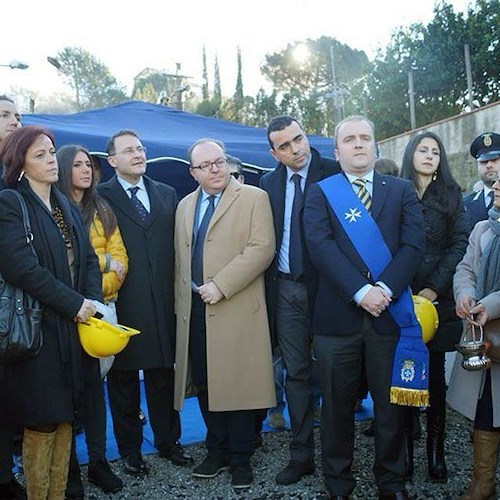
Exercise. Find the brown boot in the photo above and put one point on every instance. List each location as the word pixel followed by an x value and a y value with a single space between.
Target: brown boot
pixel 59 465
pixel 37 454
pixel 482 486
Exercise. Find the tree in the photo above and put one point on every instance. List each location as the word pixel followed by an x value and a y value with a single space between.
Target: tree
pixel 434 53
pixel 304 87
pixel 90 79
pixel 217 87
pixel 204 85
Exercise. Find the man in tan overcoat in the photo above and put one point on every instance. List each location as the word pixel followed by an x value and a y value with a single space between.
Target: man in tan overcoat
pixel 224 241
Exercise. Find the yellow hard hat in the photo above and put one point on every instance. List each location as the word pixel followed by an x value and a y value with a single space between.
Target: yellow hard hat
pixel 427 317
pixel 100 339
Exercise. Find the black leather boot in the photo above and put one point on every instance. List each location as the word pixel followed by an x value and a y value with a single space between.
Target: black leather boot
pixel 436 465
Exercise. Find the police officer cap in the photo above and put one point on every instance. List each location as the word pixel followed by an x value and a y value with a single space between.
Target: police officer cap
pixel 486 146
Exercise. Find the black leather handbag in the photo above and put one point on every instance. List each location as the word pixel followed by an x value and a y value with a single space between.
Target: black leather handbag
pixel 20 314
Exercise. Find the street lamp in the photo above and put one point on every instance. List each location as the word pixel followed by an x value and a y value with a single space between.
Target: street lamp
pixel 54 62
pixel 15 65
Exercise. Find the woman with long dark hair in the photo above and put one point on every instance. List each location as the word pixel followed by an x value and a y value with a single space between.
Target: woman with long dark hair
pixel 42 393
pixel 77 182
pixel 426 165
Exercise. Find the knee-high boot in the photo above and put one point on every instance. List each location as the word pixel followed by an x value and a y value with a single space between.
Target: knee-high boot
pixel 37 457
pixel 436 465
pixel 60 462
pixel 485 446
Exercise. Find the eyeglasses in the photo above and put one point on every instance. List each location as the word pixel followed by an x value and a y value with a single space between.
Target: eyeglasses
pixel 236 175
pixel 130 151
pixel 220 163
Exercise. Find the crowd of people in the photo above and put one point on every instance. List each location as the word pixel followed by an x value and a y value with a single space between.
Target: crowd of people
pixel 234 286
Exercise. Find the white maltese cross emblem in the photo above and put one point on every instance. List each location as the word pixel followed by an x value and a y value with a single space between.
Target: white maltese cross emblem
pixel 352 215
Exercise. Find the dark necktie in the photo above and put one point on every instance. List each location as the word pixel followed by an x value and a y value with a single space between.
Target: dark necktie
pixel 197 258
pixel 490 200
pixel 295 253
pixel 141 209
pixel 363 193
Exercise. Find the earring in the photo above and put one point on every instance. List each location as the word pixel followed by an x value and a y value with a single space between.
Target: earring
pixel 434 175
pixel 21 175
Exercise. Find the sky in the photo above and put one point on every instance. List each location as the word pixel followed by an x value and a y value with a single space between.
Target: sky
pixel 130 36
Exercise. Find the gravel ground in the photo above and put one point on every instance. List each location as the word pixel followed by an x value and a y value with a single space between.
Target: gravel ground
pixel 166 481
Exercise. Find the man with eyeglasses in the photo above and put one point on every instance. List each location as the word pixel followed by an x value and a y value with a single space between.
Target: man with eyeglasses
pixel 291 280
pixel 145 210
pixel 224 241
pixel 10 488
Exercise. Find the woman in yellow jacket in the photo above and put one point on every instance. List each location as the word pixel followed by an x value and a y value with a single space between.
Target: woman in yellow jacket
pixel 77 182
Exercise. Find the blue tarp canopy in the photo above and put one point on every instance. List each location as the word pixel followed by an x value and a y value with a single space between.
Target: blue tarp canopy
pixel 166 132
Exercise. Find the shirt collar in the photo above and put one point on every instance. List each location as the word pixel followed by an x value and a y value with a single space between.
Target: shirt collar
pixel 368 177
pixel 126 185
pixel 205 195
pixel 302 172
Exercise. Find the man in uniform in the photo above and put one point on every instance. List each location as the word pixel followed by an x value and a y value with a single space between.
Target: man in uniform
pixel 486 150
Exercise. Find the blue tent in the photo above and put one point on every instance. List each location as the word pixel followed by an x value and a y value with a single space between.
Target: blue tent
pixel 167 133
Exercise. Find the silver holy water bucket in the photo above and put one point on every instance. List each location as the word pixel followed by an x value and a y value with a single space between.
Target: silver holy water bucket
pixel 473 349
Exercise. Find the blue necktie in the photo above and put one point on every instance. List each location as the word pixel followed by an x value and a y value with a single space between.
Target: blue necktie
pixel 141 209
pixel 295 252
pixel 197 258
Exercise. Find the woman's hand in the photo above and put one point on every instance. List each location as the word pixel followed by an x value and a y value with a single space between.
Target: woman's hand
pixel 87 310
pixel 118 268
pixel 428 293
pixel 464 307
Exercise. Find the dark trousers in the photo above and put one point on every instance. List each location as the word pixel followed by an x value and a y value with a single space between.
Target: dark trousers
pixel 484 410
pixel 6 451
pixel 230 434
pixel 340 359
pixel 294 340
pixel 124 399
pixel 93 418
pixel 437 384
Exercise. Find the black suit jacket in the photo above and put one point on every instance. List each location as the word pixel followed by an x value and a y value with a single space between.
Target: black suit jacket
pixel 146 298
pixel 342 272
pixel 475 208
pixel 274 183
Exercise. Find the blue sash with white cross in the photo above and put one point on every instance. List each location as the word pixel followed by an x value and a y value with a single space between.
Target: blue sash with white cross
pixel 409 385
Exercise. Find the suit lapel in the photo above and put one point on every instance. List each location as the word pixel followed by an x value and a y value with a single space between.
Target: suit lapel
pixel 190 211
pixel 154 203
pixel 380 192
pixel 228 197
pixel 114 191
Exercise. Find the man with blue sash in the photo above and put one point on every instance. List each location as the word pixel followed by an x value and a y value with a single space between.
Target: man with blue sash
pixel 364 233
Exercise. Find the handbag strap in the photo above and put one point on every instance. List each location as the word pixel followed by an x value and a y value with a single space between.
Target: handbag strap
pixel 26 220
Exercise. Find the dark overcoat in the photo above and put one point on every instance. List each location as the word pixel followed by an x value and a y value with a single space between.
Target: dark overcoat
pixel 47 388
pixel 146 298
pixel 445 244
pixel 274 184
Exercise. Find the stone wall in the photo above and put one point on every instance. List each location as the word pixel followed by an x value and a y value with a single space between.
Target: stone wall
pixel 457 133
